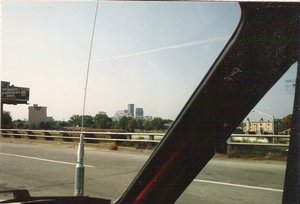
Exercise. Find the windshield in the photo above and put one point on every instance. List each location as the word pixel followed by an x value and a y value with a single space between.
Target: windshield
pixel 151 54
pixel 147 59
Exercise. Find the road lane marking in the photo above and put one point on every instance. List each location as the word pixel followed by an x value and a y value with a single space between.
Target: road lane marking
pixel 41 159
pixel 238 185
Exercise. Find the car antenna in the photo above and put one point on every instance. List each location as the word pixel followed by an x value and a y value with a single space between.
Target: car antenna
pixel 79 169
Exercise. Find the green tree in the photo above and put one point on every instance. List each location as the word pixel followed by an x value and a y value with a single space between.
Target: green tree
pixel 19 124
pixel 278 123
pixel 88 121
pixel 131 124
pixel 61 124
pixel 147 125
pixel 6 121
pixel 51 124
pixel 139 124
pixel 102 121
pixel 167 121
pixel 75 120
pixel 157 123
pixel 123 123
pixel 115 124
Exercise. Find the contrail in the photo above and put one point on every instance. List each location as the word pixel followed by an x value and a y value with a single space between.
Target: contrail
pixel 187 44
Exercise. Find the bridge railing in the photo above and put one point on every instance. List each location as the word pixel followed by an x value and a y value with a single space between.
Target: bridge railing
pixel 72 136
pixel 95 137
pixel 259 140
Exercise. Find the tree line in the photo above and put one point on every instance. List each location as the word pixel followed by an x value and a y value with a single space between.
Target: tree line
pixel 99 121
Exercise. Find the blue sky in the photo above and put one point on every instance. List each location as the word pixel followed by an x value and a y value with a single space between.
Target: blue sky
pixel 152 54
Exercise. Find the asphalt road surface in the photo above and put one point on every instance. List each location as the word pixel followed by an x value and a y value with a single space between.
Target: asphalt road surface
pixel 47 169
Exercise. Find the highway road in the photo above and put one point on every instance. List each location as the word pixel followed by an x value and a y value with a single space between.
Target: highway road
pixel 47 169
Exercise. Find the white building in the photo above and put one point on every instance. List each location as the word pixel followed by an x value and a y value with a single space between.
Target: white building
pixel 36 115
pixel 259 127
pixel 148 117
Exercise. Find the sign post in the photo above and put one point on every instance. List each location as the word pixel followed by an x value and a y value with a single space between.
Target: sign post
pixel 14 95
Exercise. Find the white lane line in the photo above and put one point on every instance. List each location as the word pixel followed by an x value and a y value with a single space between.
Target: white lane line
pixel 41 159
pixel 238 185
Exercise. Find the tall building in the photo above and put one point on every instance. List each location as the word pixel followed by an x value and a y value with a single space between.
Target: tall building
pixel 131 110
pixel 139 113
pixel 36 115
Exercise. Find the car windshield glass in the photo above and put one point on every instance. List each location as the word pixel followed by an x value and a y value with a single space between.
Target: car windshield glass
pixel 146 61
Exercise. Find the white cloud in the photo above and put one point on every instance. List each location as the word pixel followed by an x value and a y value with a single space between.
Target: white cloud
pixel 150 51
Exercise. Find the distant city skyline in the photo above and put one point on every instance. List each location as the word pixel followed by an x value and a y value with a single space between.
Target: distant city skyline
pixel 149 53
pixel 131 111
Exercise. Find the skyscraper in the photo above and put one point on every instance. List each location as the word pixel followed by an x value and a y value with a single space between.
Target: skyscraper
pixel 131 110
pixel 139 113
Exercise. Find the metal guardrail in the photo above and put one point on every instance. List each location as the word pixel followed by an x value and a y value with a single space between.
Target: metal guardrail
pixel 275 140
pixel 75 135
pixel 153 137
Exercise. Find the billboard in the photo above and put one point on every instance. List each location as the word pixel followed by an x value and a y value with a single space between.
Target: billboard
pixel 13 94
